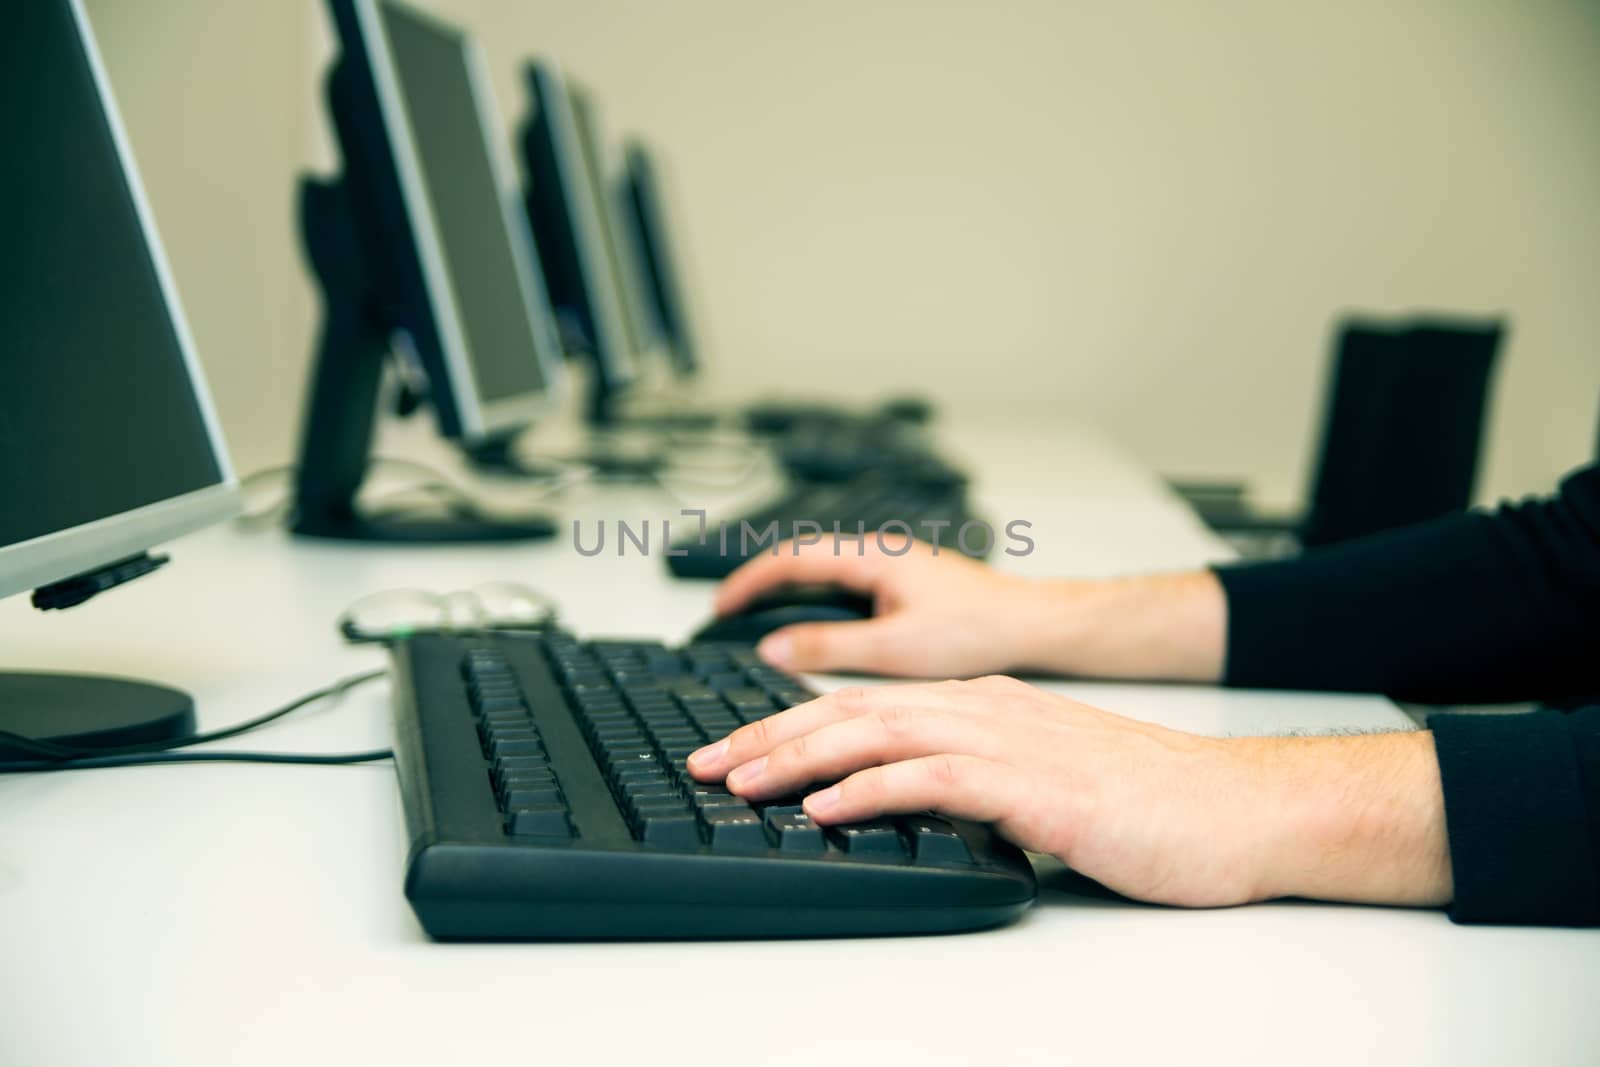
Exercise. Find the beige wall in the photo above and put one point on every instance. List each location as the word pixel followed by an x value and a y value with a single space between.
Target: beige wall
pixel 1142 214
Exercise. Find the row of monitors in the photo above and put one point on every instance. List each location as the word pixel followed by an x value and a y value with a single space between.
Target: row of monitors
pixel 492 290
pixel 108 440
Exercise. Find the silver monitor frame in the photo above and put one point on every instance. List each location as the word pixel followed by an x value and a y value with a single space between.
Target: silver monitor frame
pixel 478 419
pixel 605 303
pixel 51 557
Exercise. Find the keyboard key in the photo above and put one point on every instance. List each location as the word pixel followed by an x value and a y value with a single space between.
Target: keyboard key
pixel 529 795
pixel 520 746
pixel 518 764
pixel 796 832
pixel 670 830
pixel 548 820
pixel 731 830
pixel 935 841
pixel 875 837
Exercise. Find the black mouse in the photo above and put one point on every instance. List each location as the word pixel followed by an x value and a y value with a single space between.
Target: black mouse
pixel 785 606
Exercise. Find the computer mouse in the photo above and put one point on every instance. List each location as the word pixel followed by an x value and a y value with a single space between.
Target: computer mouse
pixel 786 606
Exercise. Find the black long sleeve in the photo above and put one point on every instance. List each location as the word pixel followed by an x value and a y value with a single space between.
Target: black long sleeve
pixel 1471 608
pixel 1522 808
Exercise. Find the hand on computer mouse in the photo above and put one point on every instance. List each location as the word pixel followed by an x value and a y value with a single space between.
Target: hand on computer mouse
pixel 941 614
pixel 945 615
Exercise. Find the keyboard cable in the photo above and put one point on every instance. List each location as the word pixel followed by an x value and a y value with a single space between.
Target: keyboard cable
pixel 51 756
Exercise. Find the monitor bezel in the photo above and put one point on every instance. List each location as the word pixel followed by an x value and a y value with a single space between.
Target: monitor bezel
pixel 647 213
pixel 620 368
pixel 649 351
pixel 477 418
pixel 48 558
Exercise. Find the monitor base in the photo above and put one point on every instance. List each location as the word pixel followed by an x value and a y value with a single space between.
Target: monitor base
pixel 87 711
pixel 427 529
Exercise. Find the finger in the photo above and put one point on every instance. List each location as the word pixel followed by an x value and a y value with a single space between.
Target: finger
pixel 831 646
pixel 714 761
pixel 902 732
pixel 796 564
pixel 960 786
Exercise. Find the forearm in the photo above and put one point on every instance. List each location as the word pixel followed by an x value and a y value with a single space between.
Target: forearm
pixel 1167 626
pixel 1357 819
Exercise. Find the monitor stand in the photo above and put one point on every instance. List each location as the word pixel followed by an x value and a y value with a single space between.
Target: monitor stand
pixel 343 407
pixel 86 711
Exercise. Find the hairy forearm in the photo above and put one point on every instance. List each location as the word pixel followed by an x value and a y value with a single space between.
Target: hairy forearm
pixel 1357 819
pixel 1166 626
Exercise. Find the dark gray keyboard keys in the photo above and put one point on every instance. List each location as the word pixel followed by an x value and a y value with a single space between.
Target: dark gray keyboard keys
pixel 547 820
pixel 875 837
pixel 933 840
pixel 733 830
pixel 795 832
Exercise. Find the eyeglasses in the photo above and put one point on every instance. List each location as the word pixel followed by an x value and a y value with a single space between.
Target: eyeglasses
pixel 395 614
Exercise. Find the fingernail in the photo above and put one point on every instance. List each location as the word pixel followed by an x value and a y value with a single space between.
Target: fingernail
pixel 776 650
pixel 748 773
pixel 823 801
pixel 710 754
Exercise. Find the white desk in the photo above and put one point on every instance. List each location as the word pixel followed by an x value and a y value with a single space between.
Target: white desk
pixel 225 914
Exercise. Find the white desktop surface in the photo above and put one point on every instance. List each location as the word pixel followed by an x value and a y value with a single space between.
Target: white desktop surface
pixel 240 914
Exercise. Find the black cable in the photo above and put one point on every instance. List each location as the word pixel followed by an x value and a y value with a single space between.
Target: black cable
pixel 141 758
pixel 54 756
pixel 53 750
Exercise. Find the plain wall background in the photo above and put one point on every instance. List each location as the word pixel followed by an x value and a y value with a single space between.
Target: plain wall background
pixel 1147 215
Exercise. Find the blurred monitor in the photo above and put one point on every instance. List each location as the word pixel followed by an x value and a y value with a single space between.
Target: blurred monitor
pixel 572 225
pixel 479 322
pixel 622 251
pixel 661 270
pixel 108 442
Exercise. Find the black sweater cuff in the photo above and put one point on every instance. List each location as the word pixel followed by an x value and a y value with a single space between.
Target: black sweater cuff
pixel 1522 842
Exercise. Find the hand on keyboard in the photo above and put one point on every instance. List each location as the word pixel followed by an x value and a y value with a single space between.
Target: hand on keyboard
pixel 1152 813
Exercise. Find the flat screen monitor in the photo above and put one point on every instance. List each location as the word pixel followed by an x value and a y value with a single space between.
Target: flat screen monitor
pixel 570 224
pixel 108 441
pixel 485 337
pixel 645 339
pixel 662 271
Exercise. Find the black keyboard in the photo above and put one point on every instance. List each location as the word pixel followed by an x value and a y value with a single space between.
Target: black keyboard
pixel 863 504
pixel 546 796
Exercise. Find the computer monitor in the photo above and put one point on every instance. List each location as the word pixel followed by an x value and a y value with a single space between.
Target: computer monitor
pixel 433 248
pixel 571 226
pixel 108 442
pixel 651 230
pixel 649 344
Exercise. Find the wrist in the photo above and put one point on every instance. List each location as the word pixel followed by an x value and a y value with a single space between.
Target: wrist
pixel 1358 819
pixel 1167 626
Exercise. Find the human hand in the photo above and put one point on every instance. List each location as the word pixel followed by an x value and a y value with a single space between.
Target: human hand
pixel 1153 813
pixel 935 613
pixel 941 614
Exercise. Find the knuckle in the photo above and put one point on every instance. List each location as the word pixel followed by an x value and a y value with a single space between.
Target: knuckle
pixel 852 700
pixel 897 720
pixel 758 733
pixel 945 771
pixel 794 750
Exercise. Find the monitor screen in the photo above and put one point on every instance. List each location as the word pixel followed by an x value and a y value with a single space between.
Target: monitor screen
pixel 617 254
pixel 662 273
pixel 506 353
pixel 107 443
pixel 567 214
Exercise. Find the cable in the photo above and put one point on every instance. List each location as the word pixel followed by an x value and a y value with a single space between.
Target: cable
pixel 54 756
pixel 142 758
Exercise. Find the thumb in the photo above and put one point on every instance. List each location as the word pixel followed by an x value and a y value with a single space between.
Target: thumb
pixel 829 646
